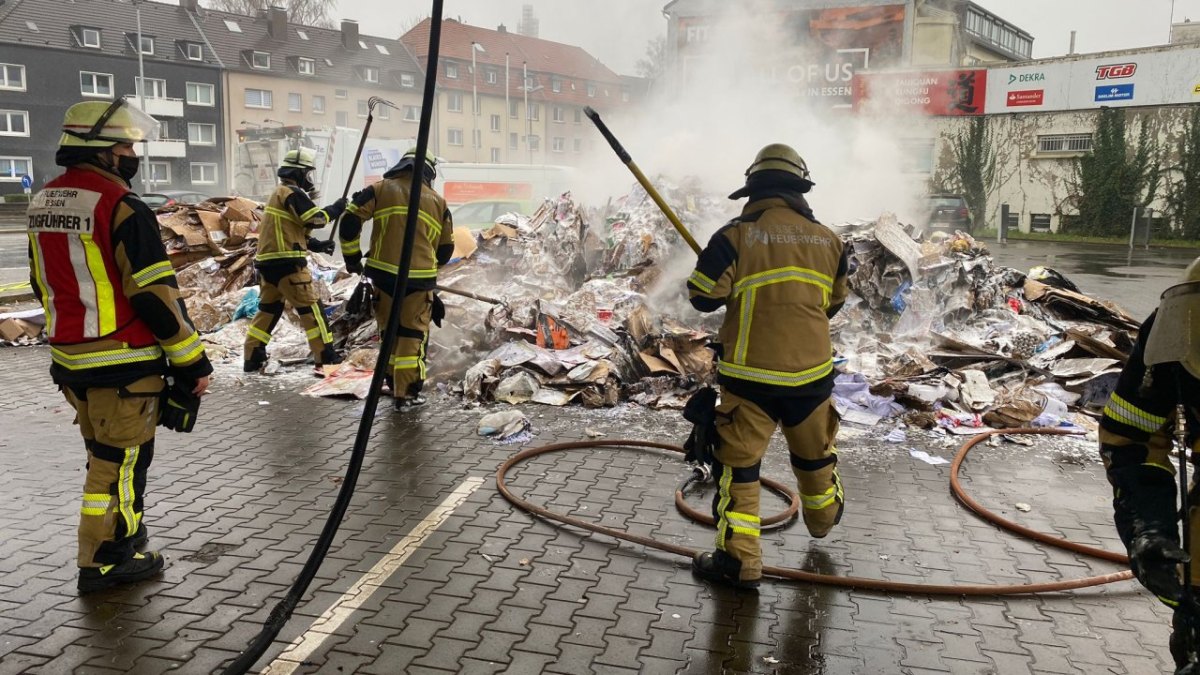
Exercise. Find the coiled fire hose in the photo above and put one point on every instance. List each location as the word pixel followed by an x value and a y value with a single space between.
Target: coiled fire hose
pixel 828 579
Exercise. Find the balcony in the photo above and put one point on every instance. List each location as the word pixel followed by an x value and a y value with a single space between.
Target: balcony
pixel 166 148
pixel 161 107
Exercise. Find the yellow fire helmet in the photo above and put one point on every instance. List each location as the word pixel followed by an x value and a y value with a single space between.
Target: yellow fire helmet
pixel 409 159
pixel 96 124
pixel 1175 336
pixel 300 158
pixel 779 157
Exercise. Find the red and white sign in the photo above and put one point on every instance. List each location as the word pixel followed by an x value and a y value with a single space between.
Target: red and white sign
pixel 1029 97
pixel 1118 71
pixel 460 192
pixel 948 93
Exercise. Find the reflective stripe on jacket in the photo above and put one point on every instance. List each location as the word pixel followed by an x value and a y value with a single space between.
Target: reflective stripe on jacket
pixel 287 219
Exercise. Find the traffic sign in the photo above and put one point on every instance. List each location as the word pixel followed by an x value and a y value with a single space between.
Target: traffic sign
pixel 26 181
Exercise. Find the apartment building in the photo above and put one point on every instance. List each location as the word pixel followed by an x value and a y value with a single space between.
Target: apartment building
pixel 51 58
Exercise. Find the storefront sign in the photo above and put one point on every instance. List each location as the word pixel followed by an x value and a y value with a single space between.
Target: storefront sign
pixel 951 92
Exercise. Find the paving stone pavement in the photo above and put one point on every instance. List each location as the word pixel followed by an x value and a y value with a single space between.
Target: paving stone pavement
pixel 237 504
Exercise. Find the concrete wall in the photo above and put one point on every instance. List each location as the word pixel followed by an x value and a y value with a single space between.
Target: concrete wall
pixel 1033 182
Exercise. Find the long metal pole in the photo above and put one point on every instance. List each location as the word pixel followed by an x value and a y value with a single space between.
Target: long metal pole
pixel 474 107
pixel 507 110
pixel 142 100
pixel 528 120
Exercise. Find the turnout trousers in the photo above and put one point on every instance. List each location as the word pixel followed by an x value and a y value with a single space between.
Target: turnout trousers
pixel 745 427
pixel 294 287
pixel 407 362
pixel 117 425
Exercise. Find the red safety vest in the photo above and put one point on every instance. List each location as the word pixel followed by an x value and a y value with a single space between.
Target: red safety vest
pixel 70 231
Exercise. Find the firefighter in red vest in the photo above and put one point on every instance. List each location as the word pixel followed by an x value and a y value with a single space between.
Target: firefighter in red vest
pixel 123 350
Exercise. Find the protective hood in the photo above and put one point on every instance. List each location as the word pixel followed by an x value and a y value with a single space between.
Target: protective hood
pixel 1175 336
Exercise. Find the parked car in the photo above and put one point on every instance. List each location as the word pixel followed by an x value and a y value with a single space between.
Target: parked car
pixel 481 215
pixel 949 213
pixel 157 200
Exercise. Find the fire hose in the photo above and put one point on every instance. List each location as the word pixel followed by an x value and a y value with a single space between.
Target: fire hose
pixel 858 583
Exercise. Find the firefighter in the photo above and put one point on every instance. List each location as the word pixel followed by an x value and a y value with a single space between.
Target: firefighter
pixel 282 262
pixel 116 326
pixel 387 203
pixel 781 275
pixel 1136 434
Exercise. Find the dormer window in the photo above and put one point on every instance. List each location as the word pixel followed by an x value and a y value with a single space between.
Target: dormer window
pixel 89 37
pixel 370 74
pixel 556 85
pixel 408 80
pixel 490 76
pixel 302 34
pixel 193 51
pixel 306 66
pixel 452 71
pixel 232 26
pixel 260 60
pixel 383 50
pixel 591 91
pixel 146 45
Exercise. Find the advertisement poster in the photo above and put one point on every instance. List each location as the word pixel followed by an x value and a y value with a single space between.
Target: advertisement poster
pixel 826 47
pixel 943 93
pixel 462 191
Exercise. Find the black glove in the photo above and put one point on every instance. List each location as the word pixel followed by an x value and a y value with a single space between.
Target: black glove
pixel 178 407
pixel 438 312
pixel 336 209
pixel 321 245
pixel 701 411
pixel 1155 559
pixel 359 302
pixel 354 264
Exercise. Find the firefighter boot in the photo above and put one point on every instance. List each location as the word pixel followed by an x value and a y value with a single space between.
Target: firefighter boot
pixel 139 567
pixel 403 404
pixel 722 568
pixel 141 537
pixel 256 360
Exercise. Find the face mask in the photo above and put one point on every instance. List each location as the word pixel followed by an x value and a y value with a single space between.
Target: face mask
pixel 127 167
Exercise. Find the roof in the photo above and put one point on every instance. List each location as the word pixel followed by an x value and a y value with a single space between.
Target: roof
pixel 54 20
pixel 233 46
pixel 573 67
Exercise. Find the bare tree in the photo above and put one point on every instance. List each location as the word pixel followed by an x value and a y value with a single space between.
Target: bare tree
pixel 411 23
pixel 654 64
pixel 304 12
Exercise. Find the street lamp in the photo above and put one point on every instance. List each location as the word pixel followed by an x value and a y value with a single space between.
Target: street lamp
pixel 475 47
pixel 253 124
pixel 271 121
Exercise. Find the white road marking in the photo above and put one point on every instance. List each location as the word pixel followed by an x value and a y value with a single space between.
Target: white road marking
pixel 327 624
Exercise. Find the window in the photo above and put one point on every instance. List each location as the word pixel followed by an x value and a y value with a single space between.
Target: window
pixel 495 123
pixel 556 85
pixel 342 118
pixel 204 173
pixel 407 80
pixel 490 77
pixel 452 71
pixel 159 172
pixel 295 102
pixel 199 93
pixel 232 26
pixel 578 116
pixel 146 45
pixel 478 139
pixel 149 87
pixel 95 84
pixel 591 90
pixel 412 113
pixel 454 136
pixel 535 111
pixel 382 50
pixel 578 145
pixel 318 105
pixel 513 108
pixel 475 104
pixel 12 168
pixel 90 37
pixel 362 45
pixel 560 115
pixel 625 96
pixel 302 34
pixel 341 93
pixel 306 66
pixel 363 109
pixel 385 112
pixel 513 140
pixel 533 142
pixel 370 74
pixel 32 26
pixel 454 102
pixel 260 60
pixel 495 155
pixel 14 123
pixel 202 134
pixel 12 77
pixel 1065 143
pixel 916 155
pixel 558 144
pixel 195 52
pixel 259 98
pixel 328 62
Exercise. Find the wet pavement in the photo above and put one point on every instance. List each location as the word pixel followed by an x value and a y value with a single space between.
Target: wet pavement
pixel 432 571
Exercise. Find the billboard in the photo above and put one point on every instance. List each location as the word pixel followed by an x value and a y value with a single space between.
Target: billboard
pixel 820 50
pixel 945 92
pixel 1167 77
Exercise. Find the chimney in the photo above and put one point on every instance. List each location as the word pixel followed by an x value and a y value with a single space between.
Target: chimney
pixel 1072 47
pixel 501 29
pixel 276 22
pixel 350 35
pixel 189 5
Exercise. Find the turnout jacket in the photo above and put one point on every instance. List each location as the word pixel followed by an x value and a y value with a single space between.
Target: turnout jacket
pixel 288 218
pixel 387 203
pixel 781 276
pixel 1136 435
pixel 99 269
